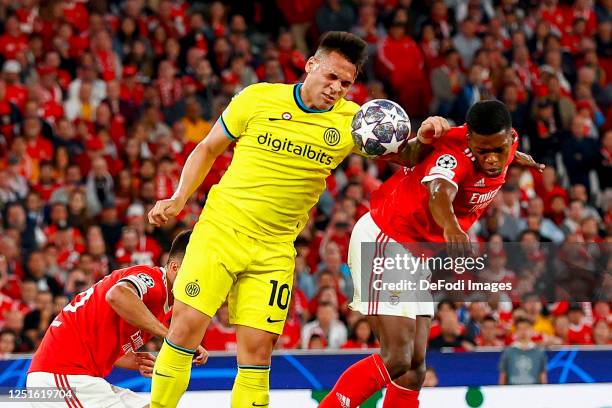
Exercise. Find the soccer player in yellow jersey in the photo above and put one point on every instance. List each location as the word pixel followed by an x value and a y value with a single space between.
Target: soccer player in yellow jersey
pixel 288 140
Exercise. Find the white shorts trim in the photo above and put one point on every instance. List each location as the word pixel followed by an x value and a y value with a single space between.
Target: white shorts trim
pixel 366 231
pixel 87 392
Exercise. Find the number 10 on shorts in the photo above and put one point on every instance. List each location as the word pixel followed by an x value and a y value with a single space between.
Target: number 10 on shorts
pixel 280 296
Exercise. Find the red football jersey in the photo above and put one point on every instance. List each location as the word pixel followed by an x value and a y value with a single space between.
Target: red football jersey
pixel 400 207
pixel 580 334
pixel 88 336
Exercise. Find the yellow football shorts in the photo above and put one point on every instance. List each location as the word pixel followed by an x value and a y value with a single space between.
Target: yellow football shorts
pixel 257 276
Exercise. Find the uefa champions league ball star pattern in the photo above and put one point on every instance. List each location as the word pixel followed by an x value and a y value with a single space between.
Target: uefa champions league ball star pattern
pixel 380 127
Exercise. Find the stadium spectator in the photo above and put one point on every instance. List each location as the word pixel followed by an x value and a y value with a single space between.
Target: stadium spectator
pixel 361 336
pixel 579 331
pixel 100 105
pixel 333 331
pixel 523 362
pixel 602 334
pixel 451 335
pixel 37 321
pixel 447 80
pixel 8 343
pixel 477 312
pixel 431 377
pixel 533 308
pixel 488 334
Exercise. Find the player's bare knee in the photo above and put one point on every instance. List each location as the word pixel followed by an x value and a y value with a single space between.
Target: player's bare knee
pixel 256 348
pixel 187 326
pixel 397 360
pixel 417 376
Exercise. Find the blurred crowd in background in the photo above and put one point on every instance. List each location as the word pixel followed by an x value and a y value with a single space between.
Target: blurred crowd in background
pixel 102 101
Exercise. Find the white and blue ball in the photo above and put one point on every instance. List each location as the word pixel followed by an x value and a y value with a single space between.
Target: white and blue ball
pixel 380 127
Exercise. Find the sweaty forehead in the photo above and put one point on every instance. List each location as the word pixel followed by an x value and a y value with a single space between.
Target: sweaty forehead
pixel 338 65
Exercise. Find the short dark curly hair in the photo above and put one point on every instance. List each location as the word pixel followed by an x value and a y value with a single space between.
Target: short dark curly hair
pixel 488 117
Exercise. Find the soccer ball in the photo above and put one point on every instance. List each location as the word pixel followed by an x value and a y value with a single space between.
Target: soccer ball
pixel 380 127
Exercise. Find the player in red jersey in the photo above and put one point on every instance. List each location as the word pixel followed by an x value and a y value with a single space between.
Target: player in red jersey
pixel 103 328
pixel 437 200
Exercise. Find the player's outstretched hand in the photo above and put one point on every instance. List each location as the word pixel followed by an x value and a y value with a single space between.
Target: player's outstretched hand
pixel 201 356
pixel 163 210
pixel 457 242
pixel 523 159
pixel 432 128
pixel 146 361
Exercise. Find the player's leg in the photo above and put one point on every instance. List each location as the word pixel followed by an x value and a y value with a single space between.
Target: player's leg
pixel 371 374
pixel 404 391
pixel 129 398
pixel 201 286
pixel 258 305
pixel 252 384
pixel 77 391
pixel 173 364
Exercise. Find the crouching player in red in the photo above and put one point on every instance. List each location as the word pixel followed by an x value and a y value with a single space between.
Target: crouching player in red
pixel 438 200
pixel 103 328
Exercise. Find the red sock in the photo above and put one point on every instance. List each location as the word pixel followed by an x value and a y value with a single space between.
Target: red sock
pixel 398 396
pixel 358 383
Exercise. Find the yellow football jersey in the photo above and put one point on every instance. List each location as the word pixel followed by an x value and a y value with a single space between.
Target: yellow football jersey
pixel 284 152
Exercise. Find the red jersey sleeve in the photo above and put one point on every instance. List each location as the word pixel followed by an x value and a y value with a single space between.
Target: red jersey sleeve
pixel 149 285
pixel 448 165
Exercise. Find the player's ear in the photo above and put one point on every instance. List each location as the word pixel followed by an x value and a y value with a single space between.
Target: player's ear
pixel 311 64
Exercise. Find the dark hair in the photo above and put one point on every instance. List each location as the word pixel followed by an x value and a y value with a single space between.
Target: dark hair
pixel 574 307
pixel 179 245
pixel 327 304
pixel 353 334
pixel 8 331
pixel 488 117
pixel 520 320
pixel 301 241
pixel 348 45
pixel 446 302
pixel 489 318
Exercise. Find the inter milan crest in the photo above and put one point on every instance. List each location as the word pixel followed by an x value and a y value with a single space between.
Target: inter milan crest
pixel 331 136
pixel 192 289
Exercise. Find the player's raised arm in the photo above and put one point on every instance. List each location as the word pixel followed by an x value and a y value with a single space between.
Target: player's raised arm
pixel 418 148
pixel 525 160
pixel 124 300
pixel 441 196
pixel 196 168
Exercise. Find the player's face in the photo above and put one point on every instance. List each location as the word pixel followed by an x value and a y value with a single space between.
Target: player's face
pixel 329 78
pixel 491 151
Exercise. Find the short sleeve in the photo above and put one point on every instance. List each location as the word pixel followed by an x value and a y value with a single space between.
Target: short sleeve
pixel 150 290
pixel 544 361
pixel 449 166
pixel 503 362
pixel 235 117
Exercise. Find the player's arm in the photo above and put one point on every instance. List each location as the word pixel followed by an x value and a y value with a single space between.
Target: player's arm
pixel 442 193
pixel 127 361
pixel 123 298
pixel 503 368
pixel 418 148
pixel 523 159
pixel 196 168
pixel 141 361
